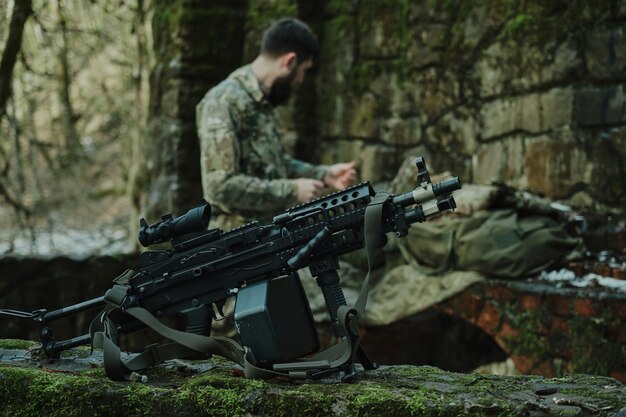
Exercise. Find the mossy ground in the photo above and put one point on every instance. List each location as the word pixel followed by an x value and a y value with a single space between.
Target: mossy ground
pixel 216 388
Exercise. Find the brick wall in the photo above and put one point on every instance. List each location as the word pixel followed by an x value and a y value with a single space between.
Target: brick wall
pixel 547 329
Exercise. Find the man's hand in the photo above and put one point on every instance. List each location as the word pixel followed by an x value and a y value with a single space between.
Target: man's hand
pixel 308 189
pixel 341 175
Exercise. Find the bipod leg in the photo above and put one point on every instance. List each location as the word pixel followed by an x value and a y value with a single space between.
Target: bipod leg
pixel 365 360
pixel 349 372
pixel 328 280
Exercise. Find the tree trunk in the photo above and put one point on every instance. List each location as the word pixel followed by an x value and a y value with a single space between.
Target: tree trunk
pixel 137 168
pixel 196 45
pixel 305 114
pixel 71 144
pixel 21 10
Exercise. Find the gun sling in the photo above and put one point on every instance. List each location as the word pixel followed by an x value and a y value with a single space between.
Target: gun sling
pixel 104 328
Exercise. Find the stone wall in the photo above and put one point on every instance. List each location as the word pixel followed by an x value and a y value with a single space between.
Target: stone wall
pixel 529 94
pixel 549 330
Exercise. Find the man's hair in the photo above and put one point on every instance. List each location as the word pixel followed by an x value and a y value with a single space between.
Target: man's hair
pixel 290 35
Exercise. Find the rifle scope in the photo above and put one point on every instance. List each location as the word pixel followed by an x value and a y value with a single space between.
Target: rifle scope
pixel 195 220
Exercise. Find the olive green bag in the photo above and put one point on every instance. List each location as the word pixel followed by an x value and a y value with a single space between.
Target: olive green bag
pixel 497 243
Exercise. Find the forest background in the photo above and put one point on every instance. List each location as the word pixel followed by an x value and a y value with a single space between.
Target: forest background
pixel 96 102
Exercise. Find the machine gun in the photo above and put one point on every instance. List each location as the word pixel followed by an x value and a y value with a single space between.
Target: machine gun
pixel 258 265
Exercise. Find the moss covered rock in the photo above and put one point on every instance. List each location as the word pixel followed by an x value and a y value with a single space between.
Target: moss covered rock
pixel 77 386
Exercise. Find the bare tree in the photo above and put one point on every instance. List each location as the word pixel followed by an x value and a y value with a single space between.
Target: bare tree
pixel 21 10
pixel 68 115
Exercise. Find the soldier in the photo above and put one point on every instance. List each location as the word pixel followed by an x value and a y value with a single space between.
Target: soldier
pixel 245 172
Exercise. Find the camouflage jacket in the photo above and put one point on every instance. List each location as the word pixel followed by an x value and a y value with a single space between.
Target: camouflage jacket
pixel 245 171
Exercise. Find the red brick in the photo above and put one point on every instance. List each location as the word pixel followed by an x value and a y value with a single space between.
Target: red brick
pixel 619 273
pixel 530 302
pixel 448 309
pixel 469 307
pixel 560 325
pixel 506 331
pixel 583 307
pixel 577 268
pixel 523 363
pixel 559 305
pixel 617 331
pixel 500 293
pixel 489 318
pixel 545 369
pixel 620 376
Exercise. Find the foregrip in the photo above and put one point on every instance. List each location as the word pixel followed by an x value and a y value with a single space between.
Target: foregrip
pixel 334 298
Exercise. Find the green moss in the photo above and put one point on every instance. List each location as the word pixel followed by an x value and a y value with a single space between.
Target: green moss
pixel 516 23
pixel 17 344
pixel 528 343
pixel 306 400
pixel 422 403
pixel 376 400
pixel 56 394
pixel 415 371
pixel 217 394
pixel 166 16
pixel 78 352
pixel 364 73
pixel 594 353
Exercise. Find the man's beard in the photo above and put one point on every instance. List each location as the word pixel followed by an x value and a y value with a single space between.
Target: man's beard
pixel 281 89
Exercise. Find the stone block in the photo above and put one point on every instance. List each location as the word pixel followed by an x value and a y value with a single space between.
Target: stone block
pixel 500 161
pixel 555 165
pixel 477 23
pixel 401 131
pixel 425 11
pixel 605 53
pixel 438 90
pixel 380 29
pixel 533 113
pixel 556 108
pixel 362 117
pixel 425 44
pixel 455 131
pixel 332 116
pixel 489 72
pixel 510 67
pixel 600 106
pixel 394 93
pixel 608 175
pixel 335 150
pixel 378 163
